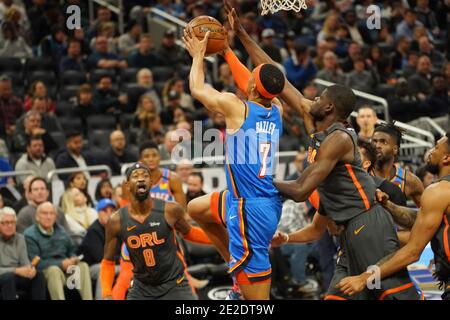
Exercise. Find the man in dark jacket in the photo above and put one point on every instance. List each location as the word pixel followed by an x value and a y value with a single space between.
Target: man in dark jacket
pixel 73 156
pixel 93 243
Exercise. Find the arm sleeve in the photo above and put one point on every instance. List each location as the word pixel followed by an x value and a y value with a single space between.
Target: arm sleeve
pixel 240 73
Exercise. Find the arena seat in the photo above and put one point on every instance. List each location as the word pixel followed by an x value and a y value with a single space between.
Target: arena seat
pixel 99 138
pixel 70 124
pixel 102 122
pixel 98 73
pixel 65 109
pixel 34 64
pixel 162 73
pixel 128 75
pixel 72 77
pixel 67 92
pixel 11 64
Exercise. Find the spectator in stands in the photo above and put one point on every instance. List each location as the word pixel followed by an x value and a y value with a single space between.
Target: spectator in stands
pixel 329 26
pixel 108 99
pixel 288 51
pixel 145 109
pixel 293 216
pixel 35 160
pixel 104 190
pixel 359 78
pixel 43 23
pixel 16 271
pixel 7 4
pixel 2 202
pixel 400 56
pixel 406 27
pixel 103 15
pixel 300 163
pixel 411 64
pixel 226 80
pixel 366 120
pixel 403 106
pixel 331 71
pixel 53 245
pixel 100 58
pixel 38 194
pixel 302 72
pixel 34 13
pixel 73 156
pixel 174 9
pixel 93 243
pixel 358 34
pixel 197 9
pixel 26 199
pixel 85 105
pixel 5 166
pixel 48 120
pixel 118 153
pixel 54 46
pixel 354 52
pixel 130 40
pixel 79 180
pixel 426 16
pixel 438 101
pixel 384 35
pixel 446 72
pixel 178 85
pixel 426 48
pixel 32 126
pixel 79 34
pixel 145 80
pixel 342 40
pixel 321 48
pixel 15 17
pixel 184 169
pixel 73 60
pixel 79 215
pixel 420 82
pixel 269 46
pixel 144 57
pixel 195 186
pixel 170 141
pixel 10 105
pixel 38 89
pixel 13 45
pixel 425 176
pixel 169 52
pixel 107 30
pixel 173 110
pixel 153 130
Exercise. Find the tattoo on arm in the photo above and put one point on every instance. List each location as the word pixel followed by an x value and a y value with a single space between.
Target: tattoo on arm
pixel 403 216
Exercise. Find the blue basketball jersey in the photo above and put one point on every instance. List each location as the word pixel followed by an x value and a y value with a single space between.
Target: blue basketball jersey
pixel 250 153
pixel 161 189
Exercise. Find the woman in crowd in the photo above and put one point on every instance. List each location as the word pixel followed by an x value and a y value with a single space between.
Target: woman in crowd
pixel 104 189
pixel 79 180
pixel 78 214
pixel 38 89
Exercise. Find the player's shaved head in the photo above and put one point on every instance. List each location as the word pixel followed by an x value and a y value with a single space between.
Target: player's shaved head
pixel 343 99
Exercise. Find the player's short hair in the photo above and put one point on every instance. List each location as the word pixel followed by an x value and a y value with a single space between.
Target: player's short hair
pixel 370 151
pixel 33 138
pixel 392 130
pixel 149 144
pixel 343 99
pixel 269 80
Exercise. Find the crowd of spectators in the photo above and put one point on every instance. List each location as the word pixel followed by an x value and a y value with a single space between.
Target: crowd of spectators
pixel 89 96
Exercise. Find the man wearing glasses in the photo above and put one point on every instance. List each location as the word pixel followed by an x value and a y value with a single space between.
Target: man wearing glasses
pixel 16 271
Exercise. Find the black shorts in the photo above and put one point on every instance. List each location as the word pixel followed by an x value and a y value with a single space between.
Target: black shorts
pixel 167 291
pixel 367 239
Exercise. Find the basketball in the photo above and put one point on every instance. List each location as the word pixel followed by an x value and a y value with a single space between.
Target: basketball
pixel 201 25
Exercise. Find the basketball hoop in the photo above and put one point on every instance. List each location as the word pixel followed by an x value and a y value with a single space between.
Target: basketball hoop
pixel 273 6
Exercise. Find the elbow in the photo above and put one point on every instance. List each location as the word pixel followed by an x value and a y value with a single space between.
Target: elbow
pixel 299 197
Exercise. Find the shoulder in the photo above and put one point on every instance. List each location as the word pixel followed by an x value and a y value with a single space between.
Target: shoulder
pixel 413 180
pixel 30 232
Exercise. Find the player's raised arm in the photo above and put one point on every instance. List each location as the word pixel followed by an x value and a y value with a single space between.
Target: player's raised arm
pixel 290 94
pixel 225 103
pixel 175 216
pixel 107 268
pixel 336 147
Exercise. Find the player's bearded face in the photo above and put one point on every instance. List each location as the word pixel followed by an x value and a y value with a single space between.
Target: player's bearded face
pixel 436 155
pixel 141 191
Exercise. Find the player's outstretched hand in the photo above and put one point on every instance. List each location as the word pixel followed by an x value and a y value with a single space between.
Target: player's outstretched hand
pixel 352 285
pixel 233 18
pixel 381 197
pixel 194 46
pixel 279 238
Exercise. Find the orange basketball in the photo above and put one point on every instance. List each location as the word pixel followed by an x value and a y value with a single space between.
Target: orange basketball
pixel 201 25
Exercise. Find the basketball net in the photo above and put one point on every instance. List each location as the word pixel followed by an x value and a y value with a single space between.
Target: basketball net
pixel 273 6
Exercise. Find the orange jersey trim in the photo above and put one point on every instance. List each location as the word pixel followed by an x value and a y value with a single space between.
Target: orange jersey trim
pixel 358 186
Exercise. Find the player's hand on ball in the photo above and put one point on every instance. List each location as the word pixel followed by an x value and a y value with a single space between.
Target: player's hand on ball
pixel 279 238
pixel 194 46
pixel 352 285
